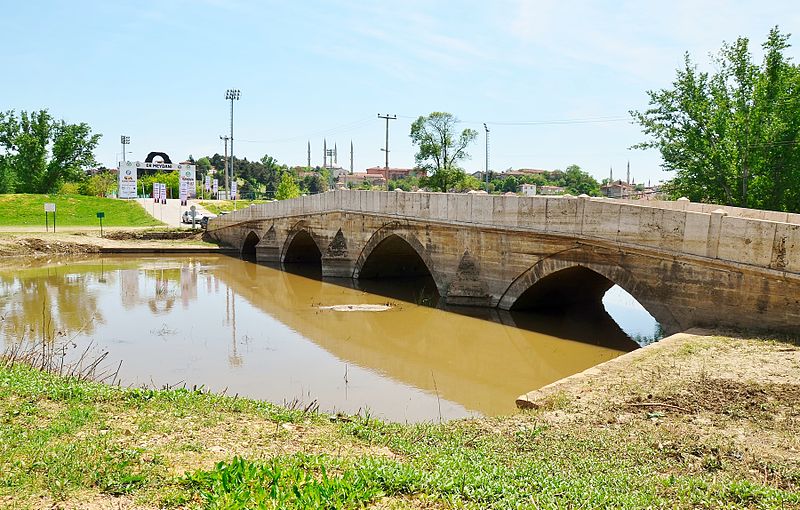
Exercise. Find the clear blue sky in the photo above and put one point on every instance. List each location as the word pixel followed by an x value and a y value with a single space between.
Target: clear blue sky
pixel 158 70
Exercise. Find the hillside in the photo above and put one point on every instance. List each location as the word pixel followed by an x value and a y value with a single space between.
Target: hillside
pixel 72 211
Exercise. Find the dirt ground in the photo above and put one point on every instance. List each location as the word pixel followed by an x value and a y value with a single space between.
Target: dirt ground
pixel 703 397
pixel 74 242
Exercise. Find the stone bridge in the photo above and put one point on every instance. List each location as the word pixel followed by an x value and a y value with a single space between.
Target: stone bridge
pixel 688 264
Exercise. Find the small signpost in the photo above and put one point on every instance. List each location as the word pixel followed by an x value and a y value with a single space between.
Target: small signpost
pixel 193 214
pixel 49 207
pixel 100 216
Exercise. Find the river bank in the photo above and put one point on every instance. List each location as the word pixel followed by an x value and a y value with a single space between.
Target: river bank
pixel 76 241
pixel 702 421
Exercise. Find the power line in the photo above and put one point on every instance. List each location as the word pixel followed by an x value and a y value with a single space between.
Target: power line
pixel 343 128
pixel 588 120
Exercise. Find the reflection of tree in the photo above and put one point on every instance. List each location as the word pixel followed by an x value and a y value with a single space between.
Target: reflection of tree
pixel 50 302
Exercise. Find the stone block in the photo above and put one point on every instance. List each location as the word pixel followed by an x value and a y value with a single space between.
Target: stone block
pixel 437 206
pixel 505 210
pixel 628 226
pixel 532 213
pixel 665 229
pixel 786 248
pixel 561 215
pixel 601 219
pixel 482 208
pixel 391 203
pixel 695 233
pixel 746 241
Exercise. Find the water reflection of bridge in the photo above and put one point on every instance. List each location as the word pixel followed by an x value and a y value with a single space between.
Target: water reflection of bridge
pixel 468 360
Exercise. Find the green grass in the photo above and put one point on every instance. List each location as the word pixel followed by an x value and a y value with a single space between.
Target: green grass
pixel 72 211
pixel 61 438
pixel 217 206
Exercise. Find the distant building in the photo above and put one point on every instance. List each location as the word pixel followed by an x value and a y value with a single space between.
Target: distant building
pixel 552 190
pixel 391 174
pixel 617 189
pixel 529 190
pixel 356 179
pixel 521 172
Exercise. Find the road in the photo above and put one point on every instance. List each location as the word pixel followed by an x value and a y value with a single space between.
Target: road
pixel 171 212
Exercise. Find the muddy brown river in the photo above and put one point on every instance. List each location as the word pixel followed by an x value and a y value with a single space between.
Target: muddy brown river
pixel 235 326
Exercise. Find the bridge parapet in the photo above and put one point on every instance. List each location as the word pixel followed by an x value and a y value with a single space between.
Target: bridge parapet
pixel 765 239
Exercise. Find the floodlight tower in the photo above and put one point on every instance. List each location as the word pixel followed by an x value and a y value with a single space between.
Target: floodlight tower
pixel 230 95
pixel 124 140
pixel 487 156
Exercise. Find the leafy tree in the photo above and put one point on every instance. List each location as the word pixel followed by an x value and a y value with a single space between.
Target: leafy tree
pixel 101 184
pixel 579 182
pixel 732 136
pixel 441 148
pixel 40 153
pixel 287 188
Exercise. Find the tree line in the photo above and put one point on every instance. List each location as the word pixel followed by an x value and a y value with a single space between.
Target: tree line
pixel 731 135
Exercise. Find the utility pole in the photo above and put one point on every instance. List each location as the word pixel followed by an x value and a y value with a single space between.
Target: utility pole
pixel 309 154
pixel 225 138
pixel 388 118
pixel 324 153
pixel 485 127
pixel 335 154
pixel 231 95
pixel 351 156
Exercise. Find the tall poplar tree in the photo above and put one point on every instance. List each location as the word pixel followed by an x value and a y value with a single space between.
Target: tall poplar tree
pixel 731 136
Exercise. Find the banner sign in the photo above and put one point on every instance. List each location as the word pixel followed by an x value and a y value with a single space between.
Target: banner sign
pixel 234 189
pixel 208 183
pixel 156 192
pixel 163 193
pixel 127 180
pixel 216 188
pixel 184 192
pixel 188 179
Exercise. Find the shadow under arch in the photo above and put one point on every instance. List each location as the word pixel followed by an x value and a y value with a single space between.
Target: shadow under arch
pixel 248 251
pixel 558 284
pixel 301 253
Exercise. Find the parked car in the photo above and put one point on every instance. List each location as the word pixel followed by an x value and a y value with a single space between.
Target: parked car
pixel 198 217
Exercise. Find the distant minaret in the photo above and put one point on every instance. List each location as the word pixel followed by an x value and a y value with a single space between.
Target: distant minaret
pixel 324 153
pixel 351 156
pixel 309 154
pixel 335 154
pixel 611 174
pixel 629 172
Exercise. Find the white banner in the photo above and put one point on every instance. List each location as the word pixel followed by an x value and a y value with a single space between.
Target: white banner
pixel 127 180
pixel 163 193
pixel 208 183
pixel 184 192
pixel 216 187
pixel 234 190
pixel 156 192
pixel 188 175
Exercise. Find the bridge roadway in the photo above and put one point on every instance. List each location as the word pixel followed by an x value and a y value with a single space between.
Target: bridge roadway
pixel 688 264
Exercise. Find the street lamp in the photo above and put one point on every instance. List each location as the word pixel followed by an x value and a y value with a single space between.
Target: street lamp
pixel 231 95
pixel 124 140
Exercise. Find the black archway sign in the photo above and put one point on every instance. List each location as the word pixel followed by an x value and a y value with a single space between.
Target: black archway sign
pixel 163 155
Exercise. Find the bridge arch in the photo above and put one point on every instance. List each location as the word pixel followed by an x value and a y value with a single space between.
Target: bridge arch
pixel 553 282
pixel 248 249
pixel 393 252
pixel 301 246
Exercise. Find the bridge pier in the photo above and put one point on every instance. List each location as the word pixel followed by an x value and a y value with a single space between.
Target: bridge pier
pixel 337 267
